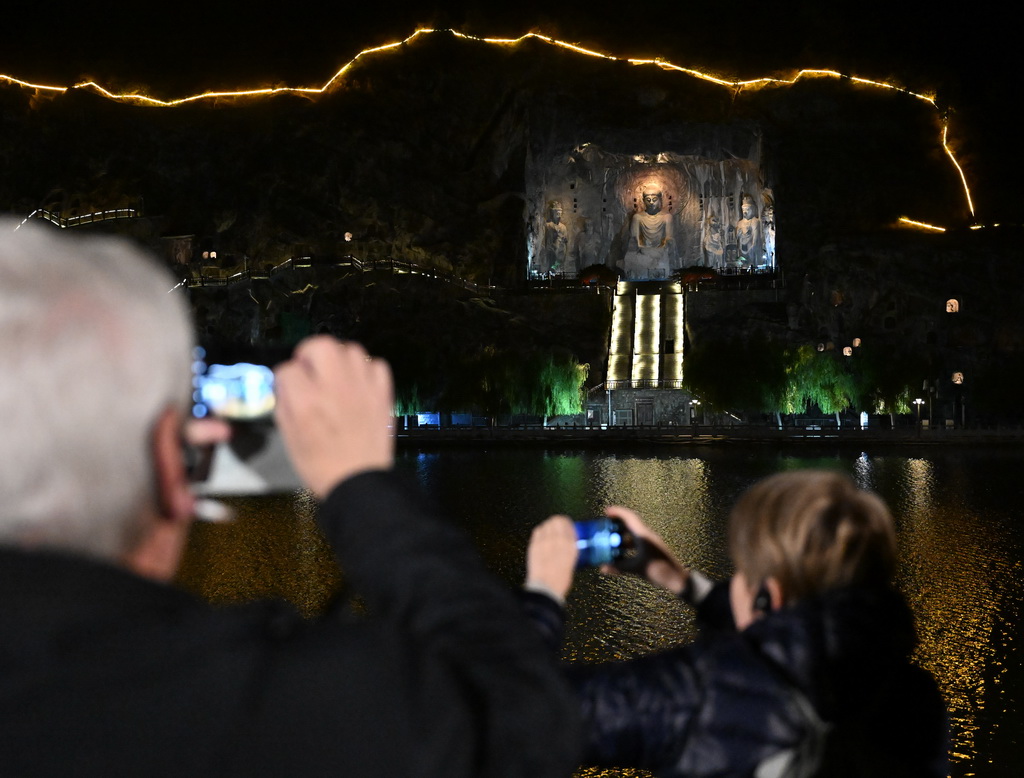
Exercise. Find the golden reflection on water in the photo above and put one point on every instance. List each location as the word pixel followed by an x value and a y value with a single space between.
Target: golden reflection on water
pixel 951 566
pixel 616 618
pixel 619 618
pixel 272 550
pixel 960 564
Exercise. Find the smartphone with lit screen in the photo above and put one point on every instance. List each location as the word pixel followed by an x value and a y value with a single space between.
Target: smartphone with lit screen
pixel 237 385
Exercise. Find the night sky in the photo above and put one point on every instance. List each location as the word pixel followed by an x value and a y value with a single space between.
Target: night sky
pixel 969 58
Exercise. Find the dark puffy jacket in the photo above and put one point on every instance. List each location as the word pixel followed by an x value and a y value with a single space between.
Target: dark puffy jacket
pixel 824 687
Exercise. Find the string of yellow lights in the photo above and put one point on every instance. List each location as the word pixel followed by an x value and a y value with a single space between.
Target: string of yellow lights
pixel 142 99
pixel 30 85
pixel 923 225
pixel 952 157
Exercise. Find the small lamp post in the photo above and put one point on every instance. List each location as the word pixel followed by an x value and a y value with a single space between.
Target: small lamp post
pixel 918 402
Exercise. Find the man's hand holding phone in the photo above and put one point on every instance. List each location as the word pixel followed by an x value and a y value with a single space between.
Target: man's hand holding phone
pixel 334 411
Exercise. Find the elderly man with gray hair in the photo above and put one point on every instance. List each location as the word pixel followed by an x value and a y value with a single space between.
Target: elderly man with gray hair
pixel 107 669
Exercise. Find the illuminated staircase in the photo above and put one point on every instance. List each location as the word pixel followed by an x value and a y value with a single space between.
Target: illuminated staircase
pixel 646 344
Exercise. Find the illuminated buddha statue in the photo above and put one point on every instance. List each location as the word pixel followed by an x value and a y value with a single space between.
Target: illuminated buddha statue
pixel 651 238
pixel 652 227
pixel 748 234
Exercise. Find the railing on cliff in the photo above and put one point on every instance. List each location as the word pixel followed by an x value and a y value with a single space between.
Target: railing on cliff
pixel 218 277
pixel 214 277
pixel 65 222
pixel 561 282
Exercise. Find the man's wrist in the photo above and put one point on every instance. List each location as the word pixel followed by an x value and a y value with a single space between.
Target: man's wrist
pixel 343 478
pixel 539 587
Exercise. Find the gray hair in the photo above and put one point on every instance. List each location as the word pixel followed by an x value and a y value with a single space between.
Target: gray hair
pixel 92 349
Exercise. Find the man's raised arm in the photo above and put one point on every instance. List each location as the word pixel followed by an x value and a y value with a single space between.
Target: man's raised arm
pixel 486 698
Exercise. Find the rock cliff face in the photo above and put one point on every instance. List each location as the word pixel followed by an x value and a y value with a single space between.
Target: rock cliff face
pixel 447 153
pixel 441 152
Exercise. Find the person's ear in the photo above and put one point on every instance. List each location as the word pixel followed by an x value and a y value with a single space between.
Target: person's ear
pixel 174 499
pixel 772 590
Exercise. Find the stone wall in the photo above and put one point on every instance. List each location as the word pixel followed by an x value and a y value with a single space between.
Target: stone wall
pixel 664 407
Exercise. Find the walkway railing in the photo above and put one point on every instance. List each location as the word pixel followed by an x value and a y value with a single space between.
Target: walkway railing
pixel 562 282
pixel 210 277
pixel 64 223
pixel 645 383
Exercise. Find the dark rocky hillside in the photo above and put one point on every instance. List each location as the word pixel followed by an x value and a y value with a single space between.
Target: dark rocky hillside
pixel 424 155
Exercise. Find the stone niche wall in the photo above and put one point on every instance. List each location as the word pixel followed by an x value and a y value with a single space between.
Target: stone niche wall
pixel 588 207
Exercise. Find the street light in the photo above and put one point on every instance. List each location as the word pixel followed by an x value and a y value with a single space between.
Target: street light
pixel 918 402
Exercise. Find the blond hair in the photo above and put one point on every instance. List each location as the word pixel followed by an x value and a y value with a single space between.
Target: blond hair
pixel 812 530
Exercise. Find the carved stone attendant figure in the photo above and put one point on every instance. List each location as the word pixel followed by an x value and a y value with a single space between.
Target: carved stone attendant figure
pixel 652 238
pixel 556 240
pixel 714 242
pixel 748 235
pixel 768 219
pixel 589 249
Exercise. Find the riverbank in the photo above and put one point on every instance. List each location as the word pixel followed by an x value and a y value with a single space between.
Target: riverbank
pixel 562 436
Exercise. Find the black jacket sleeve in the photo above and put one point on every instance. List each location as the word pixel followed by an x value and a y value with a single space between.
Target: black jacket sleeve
pixel 637 713
pixel 464 628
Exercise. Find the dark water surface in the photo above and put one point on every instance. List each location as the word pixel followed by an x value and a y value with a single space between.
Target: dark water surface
pixel 957 511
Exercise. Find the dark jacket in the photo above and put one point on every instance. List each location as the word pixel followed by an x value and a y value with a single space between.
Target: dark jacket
pixel 103 673
pixel 826 682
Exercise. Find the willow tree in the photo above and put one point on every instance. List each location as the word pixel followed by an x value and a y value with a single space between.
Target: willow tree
pixel 821 378
pixel 559 382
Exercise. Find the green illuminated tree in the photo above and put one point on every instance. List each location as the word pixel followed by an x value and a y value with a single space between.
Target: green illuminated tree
pixel 560 382
pixel 821 378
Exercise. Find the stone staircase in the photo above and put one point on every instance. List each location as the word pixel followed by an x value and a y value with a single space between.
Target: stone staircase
pixel 646 344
